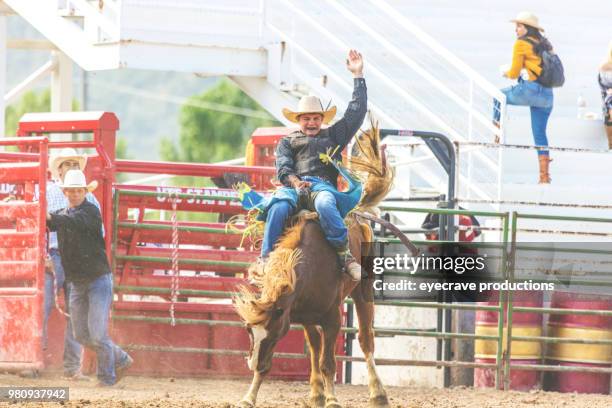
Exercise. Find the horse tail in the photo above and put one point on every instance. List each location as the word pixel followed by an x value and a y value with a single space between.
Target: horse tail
pixel 371 160
pixel 278 280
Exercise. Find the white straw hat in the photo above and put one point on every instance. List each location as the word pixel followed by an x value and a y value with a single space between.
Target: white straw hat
pixel 528 18
pixel 76 179
pixel 310 104
pixel 66 154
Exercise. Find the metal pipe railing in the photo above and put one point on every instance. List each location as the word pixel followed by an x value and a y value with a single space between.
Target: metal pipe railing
pixel 504 308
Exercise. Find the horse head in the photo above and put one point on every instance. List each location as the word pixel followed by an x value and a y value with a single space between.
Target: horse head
pixel 263 338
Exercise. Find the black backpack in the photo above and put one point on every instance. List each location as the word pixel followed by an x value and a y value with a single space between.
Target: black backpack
pixel 552 75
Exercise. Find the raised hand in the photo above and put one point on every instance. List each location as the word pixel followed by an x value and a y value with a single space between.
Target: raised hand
pixel 354 63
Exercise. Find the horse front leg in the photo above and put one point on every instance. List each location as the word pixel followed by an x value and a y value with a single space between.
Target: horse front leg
pixel 249 399
pixel 328 358
pixel 317 386
pixel 365 314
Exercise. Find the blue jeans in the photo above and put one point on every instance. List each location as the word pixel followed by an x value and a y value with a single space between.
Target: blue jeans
pixel 72 349
pixel 90 305
pixel 540 102
pixel 331 222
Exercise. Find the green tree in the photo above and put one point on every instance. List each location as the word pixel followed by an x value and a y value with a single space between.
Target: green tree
pixel 216 125
pixel 121 148
pixel 31 101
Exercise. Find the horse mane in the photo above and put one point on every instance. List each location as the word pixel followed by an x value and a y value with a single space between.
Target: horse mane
pixel 370 160
pixel 278 280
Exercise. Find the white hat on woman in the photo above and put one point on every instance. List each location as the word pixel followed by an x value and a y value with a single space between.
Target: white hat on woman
pixel 528 18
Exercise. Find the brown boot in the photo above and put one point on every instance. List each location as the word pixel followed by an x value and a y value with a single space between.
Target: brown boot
pixel 609 134
pixel 496 138
pixel 351 267
pixel 544 175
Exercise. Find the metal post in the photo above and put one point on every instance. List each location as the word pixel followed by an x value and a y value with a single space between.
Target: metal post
pixel 3 55
pixel 61 83
pixel 499 358
pixel 510 276
pixel 348 347
pixel 84 90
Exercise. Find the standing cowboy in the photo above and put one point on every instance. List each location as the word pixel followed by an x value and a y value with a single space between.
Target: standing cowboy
pixel 299 166
pixel 81 245
pixel 67 159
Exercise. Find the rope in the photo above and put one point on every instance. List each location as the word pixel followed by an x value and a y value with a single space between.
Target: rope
pixel 49 266
pixel 248 226
pixel 174 286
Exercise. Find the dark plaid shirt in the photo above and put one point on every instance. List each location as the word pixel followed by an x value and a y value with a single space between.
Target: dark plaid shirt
pixel 298 154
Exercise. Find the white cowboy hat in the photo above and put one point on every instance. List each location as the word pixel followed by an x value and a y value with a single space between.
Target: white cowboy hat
pixel 528 18
pixel 65 154
pixel 76 179
pixel 310 104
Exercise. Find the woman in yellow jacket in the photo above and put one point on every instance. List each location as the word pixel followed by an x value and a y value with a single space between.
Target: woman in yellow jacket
pixel 528 92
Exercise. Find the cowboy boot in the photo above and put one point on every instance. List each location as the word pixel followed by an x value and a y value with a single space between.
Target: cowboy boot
pixel 350 265
pixel 544 163
pixel 609 134
pixel 496 138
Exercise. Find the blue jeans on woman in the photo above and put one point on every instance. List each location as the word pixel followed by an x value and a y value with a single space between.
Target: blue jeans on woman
pixel 329 217
pixel 72 349
pixel 540 102
pixel 90 304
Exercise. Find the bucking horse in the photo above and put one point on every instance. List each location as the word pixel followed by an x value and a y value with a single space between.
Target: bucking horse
pixel 303 283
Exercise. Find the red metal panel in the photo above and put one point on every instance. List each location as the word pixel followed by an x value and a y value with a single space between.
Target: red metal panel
pixel 18 172
pixel 270 135
pixel 18 209
pixel 205 254
pixel 194 204
pixel 12 239
pixel 185 238
pixel 222 284
pixel 188 169
pixel 185 282
pixel 66 122
pixel 18 254
pixel 20 332
pixel 21 306
pixel 15 272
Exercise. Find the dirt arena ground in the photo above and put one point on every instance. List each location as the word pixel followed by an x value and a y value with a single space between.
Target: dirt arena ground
pixel 141 392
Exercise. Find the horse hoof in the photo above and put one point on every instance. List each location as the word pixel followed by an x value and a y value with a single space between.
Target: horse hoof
pixel 317 401
pixel 379 401
pixel 245 404
pixel 333 404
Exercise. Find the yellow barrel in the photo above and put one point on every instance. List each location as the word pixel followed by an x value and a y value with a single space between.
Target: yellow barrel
pixel 522 352
pixel 587 327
